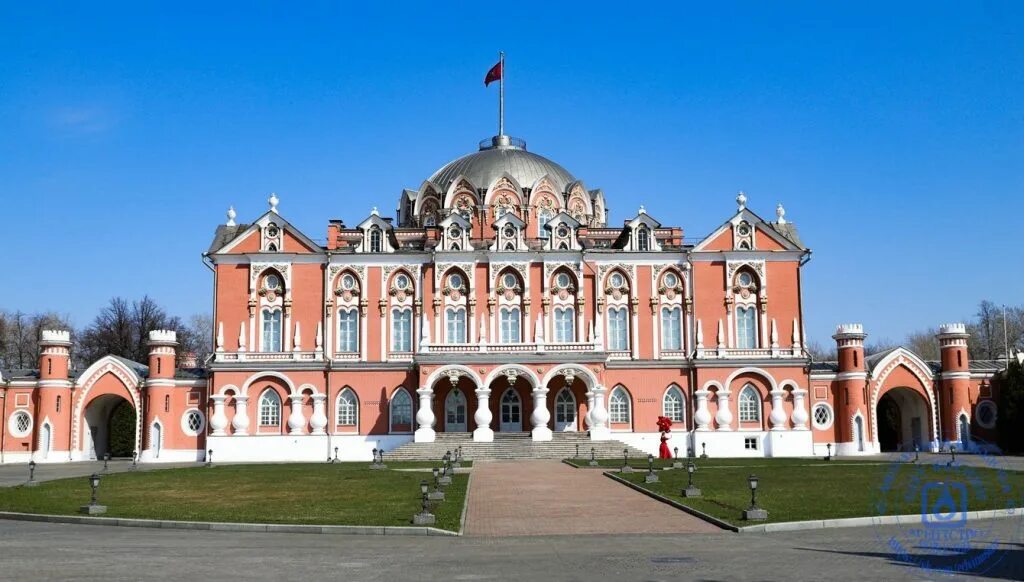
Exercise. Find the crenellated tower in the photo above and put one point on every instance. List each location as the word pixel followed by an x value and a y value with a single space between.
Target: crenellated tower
pixel 159 392
pixel 955 388
pixel 52 441
pixel 851 399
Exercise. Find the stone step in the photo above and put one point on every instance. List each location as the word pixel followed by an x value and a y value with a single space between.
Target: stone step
pixel 513 446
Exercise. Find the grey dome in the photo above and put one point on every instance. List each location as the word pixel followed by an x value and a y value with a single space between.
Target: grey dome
pixel 499 155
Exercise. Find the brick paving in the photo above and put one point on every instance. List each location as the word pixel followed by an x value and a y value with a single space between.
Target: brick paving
pixel 538 497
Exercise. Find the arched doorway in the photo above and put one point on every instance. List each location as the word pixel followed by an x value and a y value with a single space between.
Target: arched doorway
pixel 511 412
pixel 111 423
pixel 902 416
pixel 455 411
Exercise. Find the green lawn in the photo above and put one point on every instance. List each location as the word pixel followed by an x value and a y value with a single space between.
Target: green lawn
pixel 806 489
pixel 320 494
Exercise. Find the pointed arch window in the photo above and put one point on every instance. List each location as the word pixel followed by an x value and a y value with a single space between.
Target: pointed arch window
pixel 271 331
pixel 348 408
pixel 376 240
pixel 455 320
pixel 671 328
pixel 510 325
pixel 565 325
pixel 673 405
pixel 618 329
pixel 401 409
pixel 750 404
pixel 618 406
pixel 401 330
pixel 348 330
pixel 643 239
pixel 270 408
pixel 746 327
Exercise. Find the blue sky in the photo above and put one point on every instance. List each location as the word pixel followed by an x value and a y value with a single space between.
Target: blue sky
pixel 892 133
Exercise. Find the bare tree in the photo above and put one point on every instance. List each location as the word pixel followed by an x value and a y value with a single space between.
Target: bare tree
pixel 819 353
pixel 924 344
pixel 122 329
pixel 19 336
pixel 879 345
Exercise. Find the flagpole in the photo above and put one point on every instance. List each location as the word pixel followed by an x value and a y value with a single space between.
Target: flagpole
pixel 501 94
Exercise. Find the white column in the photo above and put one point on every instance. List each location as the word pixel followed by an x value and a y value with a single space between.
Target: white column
pixel 318 421
pixel 296 420
pixel 599 430
pixel 425 417
pixel 778 415
pixel 724 416
pixel 588 418
pixel 702 417
pixel 540 416
pixel 799 409
pixel 241 420
pixel 219 420
pixel 483 432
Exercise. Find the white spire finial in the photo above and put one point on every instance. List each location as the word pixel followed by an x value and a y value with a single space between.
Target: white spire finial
pixel 231 216
pixel 374 211
pixel 741 200
pixel 780 212
pixel 272 201
pixel 642 209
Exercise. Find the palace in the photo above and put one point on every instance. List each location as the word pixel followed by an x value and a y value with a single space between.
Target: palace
pixel 500 300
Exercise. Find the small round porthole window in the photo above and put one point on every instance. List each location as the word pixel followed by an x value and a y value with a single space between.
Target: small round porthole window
pixel 563 231
pixel 671 280
pixel 455 281
pixel 985 414
pixel 562 281
pixel 402 282
pixel 822 416
pixel 617 280
pixel 20 424
pixel 273 282
pixel 509 281
pixel 348 282
pixel 192 422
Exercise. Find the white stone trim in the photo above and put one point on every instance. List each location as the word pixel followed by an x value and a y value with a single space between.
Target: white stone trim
pixel 12 425
pixel 184 422
pixel 265 374
pixel 831 416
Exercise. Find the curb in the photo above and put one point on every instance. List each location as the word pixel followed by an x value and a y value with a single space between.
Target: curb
pixel 232 527
pixel 699 514
pixel 911 519
pixel 465 505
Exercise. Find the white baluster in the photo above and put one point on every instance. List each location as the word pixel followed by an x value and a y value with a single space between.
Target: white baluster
pixel 724 415
pixel 241 420
pixel 318 421
pixel 483 432
pixel 425 417
pixel 219 420
pixel 540 416
pixel 296 420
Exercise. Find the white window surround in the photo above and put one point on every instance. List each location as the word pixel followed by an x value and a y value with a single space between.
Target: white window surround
pixel 746 327
pixel 749 404
pixel 348 330
pixel 986 408
pixel 565 325
pixel 455 325
pixel 671 328
pixel 823 416
pixel 511 325
pixel 400 410
pixel 269 408
pixel 673 404
pixel 618 328
pixel 193 422
pixel 20 424
pixel 271 330
pixel 401 329
pixel 619 406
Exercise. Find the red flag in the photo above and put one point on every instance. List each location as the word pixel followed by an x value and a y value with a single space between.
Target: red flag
pixel 493 75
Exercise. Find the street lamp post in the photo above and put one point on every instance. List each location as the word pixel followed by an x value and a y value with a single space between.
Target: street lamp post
pixel 703 450
pixel 952 456
pixel 650 477
pixel 828 455
pixel 676 463
pixel 424 517
pixel 625 462
pixel 917 452
pixel 690 490
pixel 754 513
pixel 135 460
pixel 31 475
pixel 93 508
pixel 437 494
pixel 593 457
pixel 106 462
pixel 209 458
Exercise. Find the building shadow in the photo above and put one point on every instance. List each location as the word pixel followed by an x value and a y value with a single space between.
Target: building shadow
pixel 1006 563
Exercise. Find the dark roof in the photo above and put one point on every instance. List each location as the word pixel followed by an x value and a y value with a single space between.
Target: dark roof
pixel 19 374
pixel 824 367
pixel 987 365
pixel 224 235
pixel 190 373
pixel 788 230
pixel 871 361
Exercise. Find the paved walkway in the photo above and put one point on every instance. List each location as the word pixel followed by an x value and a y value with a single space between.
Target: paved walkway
pixel 526 498
pixel 17 474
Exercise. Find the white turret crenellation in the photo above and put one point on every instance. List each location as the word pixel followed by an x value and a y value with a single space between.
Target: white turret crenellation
pixel 163 336
pixel 55 336
pixel 850 328
pixel 231 216
pixel 953 328
pixel 849 335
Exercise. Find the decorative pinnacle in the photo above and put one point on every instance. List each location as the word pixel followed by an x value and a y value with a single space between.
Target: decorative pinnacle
pixel 231 216
pixel 741 200
pixel 780 212
pixel 374 212
pixel 272 201
pixel 642 209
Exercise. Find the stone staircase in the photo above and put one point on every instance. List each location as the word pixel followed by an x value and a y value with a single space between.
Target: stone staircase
pixel 516 445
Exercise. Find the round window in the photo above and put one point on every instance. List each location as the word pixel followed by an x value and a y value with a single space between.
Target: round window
pixel 745 280
pixel 563 231
pixel 455 281
pixel 985 414
pixel 272 230
pixel 273 282
pixel 510 231
pixel 744 229
pixel 562 280
pixel 508 281
pixel 402 282
pixel 455 232
pixel 617 280
pixel 192 422
pixel 822 416
pixel 671 280
pixel 348 282
pixel 20 424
